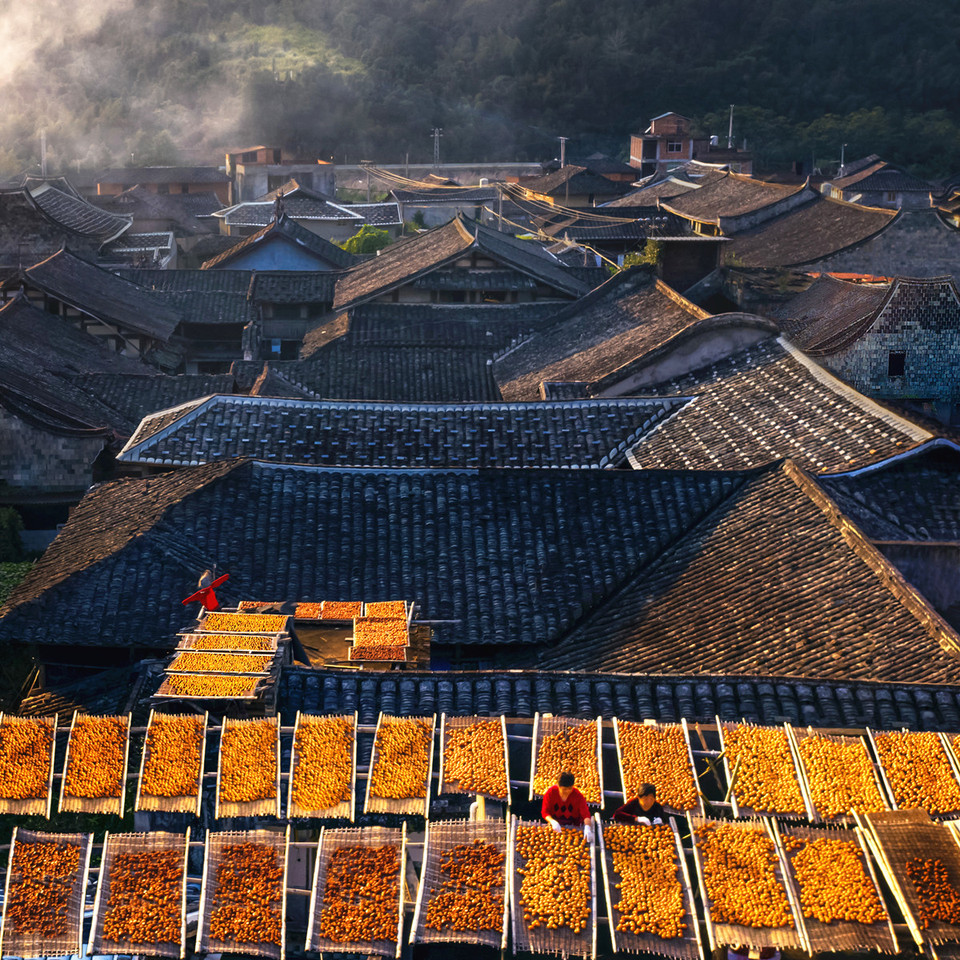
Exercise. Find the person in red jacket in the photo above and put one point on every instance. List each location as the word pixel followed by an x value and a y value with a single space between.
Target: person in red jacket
pixel 565 806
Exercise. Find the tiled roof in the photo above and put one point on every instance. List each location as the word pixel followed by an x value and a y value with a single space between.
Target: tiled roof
pixel 576 180
pixel 102 294
pixel 502 556
pixel 183 209
pixel 807 233
pixel 731 195
pixel 190 281
pixel 914 497
pixel 404 262
pixel 446 195
pixel 38 352
pixel 377 214
pixel 774 582
pixel 840 317
pixel 615 324
pixel 289 230
pixel 517 693
pixel 134 175
pixel 261 213
pixel 76 215
pixel 347 369
pixel 293 286
pixel 135 397
pixel 25 235
pixel 881 177
pixel 676 183
pixel 591 433
pixel 827 307
pixel 767 402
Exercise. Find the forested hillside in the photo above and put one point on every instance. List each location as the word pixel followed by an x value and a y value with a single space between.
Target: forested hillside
pixel 365 79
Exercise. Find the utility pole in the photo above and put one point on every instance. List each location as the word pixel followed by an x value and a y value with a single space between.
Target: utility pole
pixel 843 153
pixel 43 153
pixel 437 134
pixel 730 130
pixel 500 206
pixel 563 151
pixel 366 166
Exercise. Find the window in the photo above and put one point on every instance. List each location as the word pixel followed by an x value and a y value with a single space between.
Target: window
pixel 674 146
pixel 896 363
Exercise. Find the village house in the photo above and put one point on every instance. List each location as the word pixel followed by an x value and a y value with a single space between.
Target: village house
pixel 669 141
pixel 898 340
pixel 259 170
pixel 165 180
pixel 313 211
pixel 876 183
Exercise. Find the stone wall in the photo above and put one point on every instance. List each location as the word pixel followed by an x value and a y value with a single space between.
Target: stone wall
pixel 916 244
pixel 44 462
pixel 923 322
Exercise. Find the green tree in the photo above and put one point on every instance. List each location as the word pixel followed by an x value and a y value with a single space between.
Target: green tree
pixel 367 240
pixel 11 546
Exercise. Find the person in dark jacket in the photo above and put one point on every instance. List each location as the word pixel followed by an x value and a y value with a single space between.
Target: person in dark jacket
pixel 643 808
pixel 565 806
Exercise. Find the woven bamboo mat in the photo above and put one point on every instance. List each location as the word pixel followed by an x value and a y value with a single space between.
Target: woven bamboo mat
pixel 544 727
pixel 654 771
pixel 229 642
pixel 132 843
pixel 561 940
pixel 188 803
pixel 302 770
pixel 45 728
pixel 787 770
pixel 502 759
pixel 330 842
pixel 30 941
pixel 854 744
pixel 214 853
pixel 939 765
pixel 402 805
pixel 685 947
pixel 442 837
pixel 838 935
pixel 731 934
pixel 904 835
pixel 228 761
pixel 74 763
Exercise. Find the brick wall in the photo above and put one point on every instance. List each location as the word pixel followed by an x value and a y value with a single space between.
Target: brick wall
pixel 42 461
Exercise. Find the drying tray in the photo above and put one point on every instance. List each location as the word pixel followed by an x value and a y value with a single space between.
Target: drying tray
pixel 232 659
pixel 441 837
pixel 407 606
pixel 73 804
pixel 839 935
pixel 630 789
pixel 228 642
pixel 948 754
pixel 797 736
pixel 213 857
pixel 686 947
pixel 35 944
pixel 184 804
pixel 267 807
pixel 32 806
pixel 791 768
pixel 458 723
pixel 901 835
pixel 731 934
pixel 544 727
pixel 405 805
pixel 121 843
pixel 346 809
pixel 279 623
pixel 167 691
pixel 542 940
pixel 330 842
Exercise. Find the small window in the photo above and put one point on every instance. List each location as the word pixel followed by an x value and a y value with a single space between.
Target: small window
pixel 184 187
pixel 274 347
pixel 674 146
pixel 896 363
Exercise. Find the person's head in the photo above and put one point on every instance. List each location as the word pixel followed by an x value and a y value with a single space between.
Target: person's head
pixel 565 782
pixel 647 795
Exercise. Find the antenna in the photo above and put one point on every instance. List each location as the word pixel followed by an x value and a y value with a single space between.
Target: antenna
pixel 563 151
pixel 437 134
pixel 730 130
